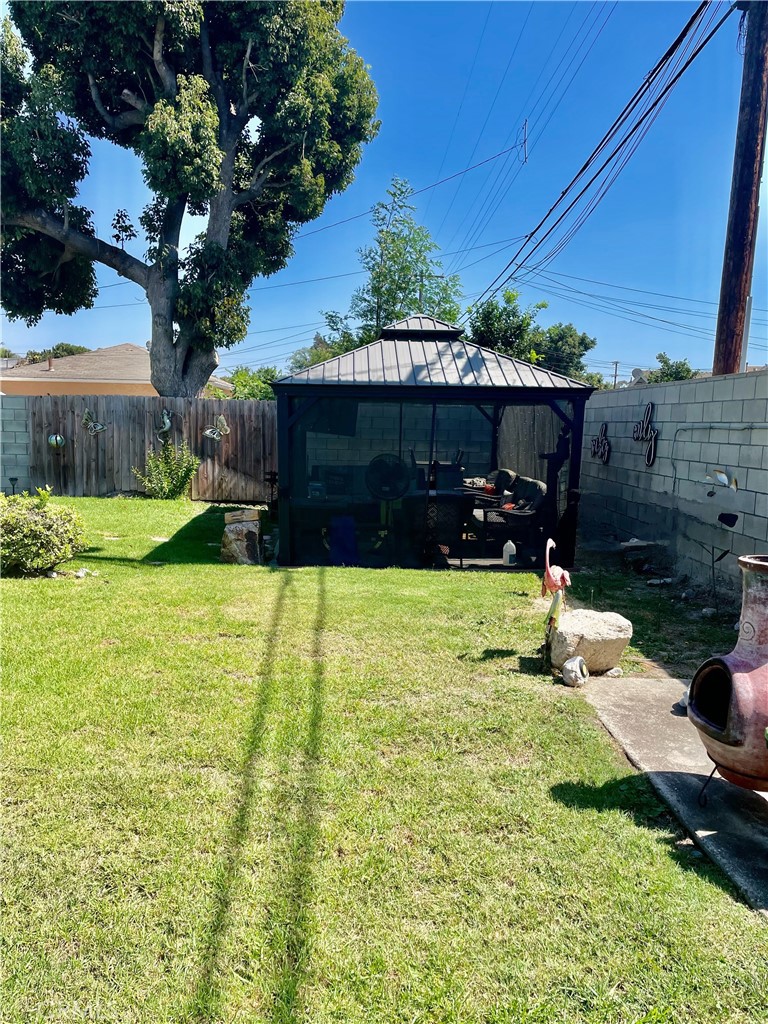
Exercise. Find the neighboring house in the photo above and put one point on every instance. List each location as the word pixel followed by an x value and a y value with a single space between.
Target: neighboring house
pixel 117 370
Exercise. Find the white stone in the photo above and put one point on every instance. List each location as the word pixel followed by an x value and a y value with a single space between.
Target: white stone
pixel 241 544
pixel 598 637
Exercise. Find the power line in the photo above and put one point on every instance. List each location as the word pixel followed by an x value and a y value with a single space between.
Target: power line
pixel 648 83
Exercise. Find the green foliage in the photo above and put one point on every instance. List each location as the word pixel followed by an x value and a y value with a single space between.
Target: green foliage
pixel 63 348
pixel 595 380
pixel 181 135
pixel 6 353
pixel 122 229
pixel 338 338
pixel 168 473
pixel 506 327
pixel 679 369
pixel 253 384
pixel 403 276
pixel 36 536
pixel 250 114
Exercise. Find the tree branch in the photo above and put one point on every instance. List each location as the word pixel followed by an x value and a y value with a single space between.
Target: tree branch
pixel 164 70
pixel 133 100
pixel 260 175
pixel 129 119
pixel 246 63
pixel 82 244
pixel 213 78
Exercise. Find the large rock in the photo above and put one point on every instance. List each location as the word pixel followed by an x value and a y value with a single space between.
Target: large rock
pixel 598 637
pixel 241 544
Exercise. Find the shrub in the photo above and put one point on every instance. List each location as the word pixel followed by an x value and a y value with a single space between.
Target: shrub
pixel 36 536
pixel 169 471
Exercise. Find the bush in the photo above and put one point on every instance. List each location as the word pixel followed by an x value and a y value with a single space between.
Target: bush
pixel 36 536
pixel 169 471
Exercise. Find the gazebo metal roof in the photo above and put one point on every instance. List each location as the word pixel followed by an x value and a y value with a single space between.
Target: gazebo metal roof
pixel 422 351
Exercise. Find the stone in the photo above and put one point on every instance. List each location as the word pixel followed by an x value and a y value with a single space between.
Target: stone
pixel 615 673
pixel 81 573
pixel 598 637
pixel 708 613
pixel 241 544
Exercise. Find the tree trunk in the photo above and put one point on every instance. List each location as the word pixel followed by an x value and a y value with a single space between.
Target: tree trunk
pixel 178 370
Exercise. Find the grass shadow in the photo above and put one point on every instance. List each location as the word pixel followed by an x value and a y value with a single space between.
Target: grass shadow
pixel 289 924
pixel 295 817
pixel 635 796
pixel 207 995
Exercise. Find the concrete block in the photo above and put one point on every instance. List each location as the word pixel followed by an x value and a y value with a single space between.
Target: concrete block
pixel 750 455
pixel 703 391
pixel 696 412
pixel 714 412
pixel 744 386
pixel 743 501
pixel 21 437
pixel 757 480
pixel 15 449
pixel 733 411
pixel 723 388
pixel 755 527
pixel 729 455
pixel 756 410
pixel 710 453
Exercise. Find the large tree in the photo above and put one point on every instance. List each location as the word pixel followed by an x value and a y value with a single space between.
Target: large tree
pixel 403 277
pixel 508 328
pixel 250 114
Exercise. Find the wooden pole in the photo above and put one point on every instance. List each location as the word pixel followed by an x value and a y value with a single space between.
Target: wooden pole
pixel 741 233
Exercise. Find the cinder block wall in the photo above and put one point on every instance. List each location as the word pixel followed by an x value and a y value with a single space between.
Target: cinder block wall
pixel 703 425
pixel 14 443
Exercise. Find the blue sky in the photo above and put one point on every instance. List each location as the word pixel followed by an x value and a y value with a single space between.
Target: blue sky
pixel 456 82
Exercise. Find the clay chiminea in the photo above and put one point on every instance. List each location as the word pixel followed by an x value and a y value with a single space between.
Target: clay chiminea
pixel 728 698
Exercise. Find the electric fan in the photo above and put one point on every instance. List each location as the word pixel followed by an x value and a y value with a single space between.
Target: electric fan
pixel 387 478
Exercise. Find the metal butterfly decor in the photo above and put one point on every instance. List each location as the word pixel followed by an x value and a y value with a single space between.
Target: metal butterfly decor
pixel 218 430
pixel 93 425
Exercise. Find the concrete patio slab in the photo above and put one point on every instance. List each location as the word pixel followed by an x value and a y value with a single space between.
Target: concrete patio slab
pixel 732 828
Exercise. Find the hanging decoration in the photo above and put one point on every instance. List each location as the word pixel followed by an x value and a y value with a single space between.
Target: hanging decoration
pixel 644 431
pixel 218 430
pixel 56 441
pixel 600 446
pixel 93 425
pixel 165 426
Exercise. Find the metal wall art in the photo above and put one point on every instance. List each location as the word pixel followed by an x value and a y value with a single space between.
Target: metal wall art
pixel 216 431
pixel 644 431
pixel 56 441
pixel 165 426
pixel 93 426
pixel 600 446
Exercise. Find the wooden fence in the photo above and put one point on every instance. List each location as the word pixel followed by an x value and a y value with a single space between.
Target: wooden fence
pixel 100 463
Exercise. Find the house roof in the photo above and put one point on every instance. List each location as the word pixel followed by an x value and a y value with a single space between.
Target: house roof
pixel 422 351
pixel 123 364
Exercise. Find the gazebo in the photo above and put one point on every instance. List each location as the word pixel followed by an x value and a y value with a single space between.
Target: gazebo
pixel 392 454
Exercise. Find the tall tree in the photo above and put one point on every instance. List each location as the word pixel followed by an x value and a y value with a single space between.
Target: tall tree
pixel 404 277
pixel 508 328
pixel 669 369
pixel 249 114
pixel 62 348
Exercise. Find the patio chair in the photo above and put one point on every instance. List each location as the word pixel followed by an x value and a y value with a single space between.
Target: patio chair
pixel 514 515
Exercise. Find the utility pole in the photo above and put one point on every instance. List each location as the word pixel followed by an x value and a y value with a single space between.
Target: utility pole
pixel 615 373
pixel 741 233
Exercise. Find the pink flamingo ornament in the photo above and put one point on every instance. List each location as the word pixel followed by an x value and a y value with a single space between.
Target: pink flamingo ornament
pixel 555 578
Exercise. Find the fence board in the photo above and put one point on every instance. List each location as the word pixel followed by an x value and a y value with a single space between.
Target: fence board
pixel 231 470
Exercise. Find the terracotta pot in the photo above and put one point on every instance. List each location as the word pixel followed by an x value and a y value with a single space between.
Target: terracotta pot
pixel 728 698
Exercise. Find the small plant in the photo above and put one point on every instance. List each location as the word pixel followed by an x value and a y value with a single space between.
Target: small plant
pixel 168 472
pixel 36 536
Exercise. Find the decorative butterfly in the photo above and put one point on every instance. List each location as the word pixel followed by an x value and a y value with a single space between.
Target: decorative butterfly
pixel 93 426
pixel 216 432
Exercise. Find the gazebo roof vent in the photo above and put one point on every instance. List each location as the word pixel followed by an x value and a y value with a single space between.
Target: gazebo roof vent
pixel 414 328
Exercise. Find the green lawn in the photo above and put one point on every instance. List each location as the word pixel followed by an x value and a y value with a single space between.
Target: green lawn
pixel 243 795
